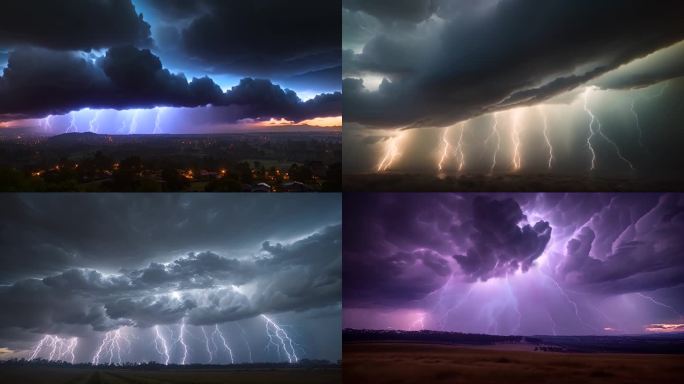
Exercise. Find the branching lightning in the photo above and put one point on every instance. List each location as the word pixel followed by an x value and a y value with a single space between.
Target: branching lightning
pixel 72 123
pixel 217 332
pixel 111 344
pixel 445 153
pixel 273 330
pixel 161 345
pixel 94 126
pixel 59 348
pixel 459 148
pixel 599 131
pixel 206 340
pixel 636 122
pixel 656 302
pixel 391 153
pixel 181 339
pixel 515 137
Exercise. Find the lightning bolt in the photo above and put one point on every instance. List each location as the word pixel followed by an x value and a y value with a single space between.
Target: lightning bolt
pixel 72 123
pixel 181 339
pixel 274 330
pixel 161 345
pixel 600 131
pixel 572 302
pixel 515 138
pixel 460 302
pixel 206 340
pixel 217 332
pixel 157 121
pixel 636 122
pixel 459 148
pixel 546 136
pixel 59 348
pixel 446 148
pixel 553 324
pixel 46 124
pixel 494 133
pixel 133 129
pixel 591 128
pixel 656 302
pixel 94 127
pixel 391 153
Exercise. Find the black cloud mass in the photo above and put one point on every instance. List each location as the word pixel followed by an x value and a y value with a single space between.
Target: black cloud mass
pixel 66 56
pixel 445 61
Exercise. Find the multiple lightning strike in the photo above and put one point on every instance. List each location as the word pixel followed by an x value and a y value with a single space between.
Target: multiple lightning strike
pixel 275 332
pixel 391 153
pixel 58 348
pixel 452 141
pixel 97 121
pixel 112 349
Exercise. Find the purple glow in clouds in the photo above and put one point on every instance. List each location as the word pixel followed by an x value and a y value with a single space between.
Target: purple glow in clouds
pixel 531 264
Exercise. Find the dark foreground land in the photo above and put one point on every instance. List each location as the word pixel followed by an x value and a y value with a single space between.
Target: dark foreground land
pixel 407 362
pixel 94 375
pixel 508 183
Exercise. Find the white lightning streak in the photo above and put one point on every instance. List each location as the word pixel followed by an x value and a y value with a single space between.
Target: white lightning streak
pixel 495 132
pixel 206 340
pixel 218 332
pixel 546 136
pixel 72 123
pixel 446 147
pixel 133 129
pixel 515 137
pixel 591 128
pixel 391 153
pixel 600 131
pixel 161 345
pixel 181 339
pixel 94 127
pixel 157 121
pixel 282 336
pixel 459 148
pixel 656 302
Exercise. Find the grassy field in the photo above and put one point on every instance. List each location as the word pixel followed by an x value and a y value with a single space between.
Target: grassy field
pixel 43 375
pixel 399 363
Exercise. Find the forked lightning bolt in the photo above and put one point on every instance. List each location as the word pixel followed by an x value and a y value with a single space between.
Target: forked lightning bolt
pixel 445 152
pixel 459 148
pixel 273 330
pixel 161 345
pixel 59 348
pixel 217 332
pixel 546 136
pixel 494 133
pixel 391 153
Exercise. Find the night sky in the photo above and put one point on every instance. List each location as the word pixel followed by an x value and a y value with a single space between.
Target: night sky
pixel 112 270
pixel 500 86
pixel 524 264
pixel 153 66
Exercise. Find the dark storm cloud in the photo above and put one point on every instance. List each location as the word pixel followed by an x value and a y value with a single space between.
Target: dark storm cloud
pixel 644 254
pixel 521 50
pixel 266 37
pixel 400 248
pixel 205 288
pixel 498 246
pixel 38 82
pixel 71 24
pixel 400 10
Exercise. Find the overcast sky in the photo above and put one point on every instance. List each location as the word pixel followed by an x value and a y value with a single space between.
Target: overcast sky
pixel 83 266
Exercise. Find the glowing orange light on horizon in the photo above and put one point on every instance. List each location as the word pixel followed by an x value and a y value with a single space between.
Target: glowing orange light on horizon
pixel 326 122
pixel 665 328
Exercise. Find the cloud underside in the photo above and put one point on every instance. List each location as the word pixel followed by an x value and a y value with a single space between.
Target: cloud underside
pixel 445 61
pixel 204 288
pixel 40 82
pixel 401 248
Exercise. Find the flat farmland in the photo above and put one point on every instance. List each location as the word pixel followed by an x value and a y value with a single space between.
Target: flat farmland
pixel 50 375
pixel 399 363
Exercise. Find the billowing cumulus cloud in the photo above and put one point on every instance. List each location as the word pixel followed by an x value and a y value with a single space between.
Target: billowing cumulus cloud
pixel 72 25
pixel 447 61
pixel 130 77
pixel 505 263
pixel 141 261
pixel 498 245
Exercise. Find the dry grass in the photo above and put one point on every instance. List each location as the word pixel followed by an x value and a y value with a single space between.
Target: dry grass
pixel 399 363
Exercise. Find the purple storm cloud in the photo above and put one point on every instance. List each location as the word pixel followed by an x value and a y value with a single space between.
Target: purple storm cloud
pixel 514 263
